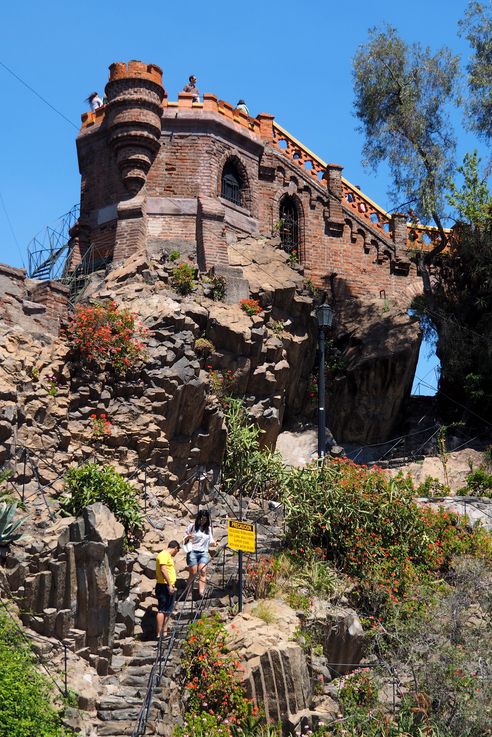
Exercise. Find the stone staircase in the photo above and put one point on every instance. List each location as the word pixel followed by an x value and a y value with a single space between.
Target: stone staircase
pixel 119 709
pixel 126 685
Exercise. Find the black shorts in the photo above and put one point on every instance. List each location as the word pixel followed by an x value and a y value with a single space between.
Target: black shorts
pixel 165 600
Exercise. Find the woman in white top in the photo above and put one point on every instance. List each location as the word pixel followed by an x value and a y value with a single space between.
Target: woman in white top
pixel 94 101
pixel 198 538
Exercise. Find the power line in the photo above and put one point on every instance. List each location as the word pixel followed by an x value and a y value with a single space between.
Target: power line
pixel 458 404
pixel 31 89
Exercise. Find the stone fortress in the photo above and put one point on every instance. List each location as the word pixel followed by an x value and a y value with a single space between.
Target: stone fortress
pixel 206 174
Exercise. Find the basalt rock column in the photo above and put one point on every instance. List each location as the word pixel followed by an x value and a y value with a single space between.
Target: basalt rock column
pixel 135 93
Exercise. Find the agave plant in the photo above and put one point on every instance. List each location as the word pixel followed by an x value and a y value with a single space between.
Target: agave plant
pixel 8 528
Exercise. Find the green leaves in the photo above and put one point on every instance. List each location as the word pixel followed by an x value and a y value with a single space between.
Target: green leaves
pixel 246 465
pixel 402 93
pixel 8 528
pixel 25 706
pixel 92 483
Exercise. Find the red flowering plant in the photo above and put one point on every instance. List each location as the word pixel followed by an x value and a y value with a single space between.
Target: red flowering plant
pixel 262 577
pixel 251 307
pixel 369 525
pixel 222 382
pixel 216 704
pixel 100 426
pixel 107 335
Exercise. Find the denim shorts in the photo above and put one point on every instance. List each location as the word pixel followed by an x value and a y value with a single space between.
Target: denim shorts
pixel 165 600
pixel 195 557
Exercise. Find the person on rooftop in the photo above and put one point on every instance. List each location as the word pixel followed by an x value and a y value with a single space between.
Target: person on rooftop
pixel 94 101
pixel 241 105
pixel 192 89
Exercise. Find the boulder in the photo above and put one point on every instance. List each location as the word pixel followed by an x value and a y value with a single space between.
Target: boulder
pixel 275 671
pixel 102 526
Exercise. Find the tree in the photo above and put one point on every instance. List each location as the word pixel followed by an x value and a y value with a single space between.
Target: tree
pixel 476 26
pixel 401 98
pixel 460 306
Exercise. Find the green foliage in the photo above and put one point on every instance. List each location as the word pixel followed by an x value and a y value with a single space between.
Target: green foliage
pixel 401 97
pixel 26 709
pixel 204 347
pixel 432 487
pixel 246 465
pixel 276 326
pixel 460 305
pixel 447 650
pixel 183 278
pixel 478 483
pixel 477 28
pixel 222 383
pixel 358 689
pixel 368 524
pixel 90 483
pixel 8 528
pixel 174 255
pixel 472 201
pixel 219 288
pixel 216 705
pixel 264 611
pixel 251 307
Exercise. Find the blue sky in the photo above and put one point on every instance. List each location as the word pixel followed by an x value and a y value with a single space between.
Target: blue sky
pixel 291 59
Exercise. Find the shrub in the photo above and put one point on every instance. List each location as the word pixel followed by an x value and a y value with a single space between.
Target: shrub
pixel 262 576
pixel 183 278
pixel 358 689
pixel 368 523
pixel 8 528
pixel 204 347
pixel 432 487
pixel 216 704
pixel 100 426
pixel 264 611
pixel 245 463
pixel 478 483
pixel 276 326
pixel 174 255
pixel 222 383
pixel 219 288
pixel 107 335
pixel 90 483
pixel 25 704
pixel 251 307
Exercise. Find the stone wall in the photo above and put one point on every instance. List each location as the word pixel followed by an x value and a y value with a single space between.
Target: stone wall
pixel 29 304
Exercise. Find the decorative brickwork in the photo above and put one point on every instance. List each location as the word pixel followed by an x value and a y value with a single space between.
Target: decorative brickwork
pixel 174 153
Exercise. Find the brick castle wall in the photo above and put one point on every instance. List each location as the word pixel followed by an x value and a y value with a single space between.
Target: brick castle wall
pixel 179 196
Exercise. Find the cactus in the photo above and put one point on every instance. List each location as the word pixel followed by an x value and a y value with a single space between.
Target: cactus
pixel 8 528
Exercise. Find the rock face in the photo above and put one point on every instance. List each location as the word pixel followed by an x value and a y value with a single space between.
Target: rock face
pixel 341 633
pixel 70 589
pixel 165 414
pixel 276 673
pixel 380 351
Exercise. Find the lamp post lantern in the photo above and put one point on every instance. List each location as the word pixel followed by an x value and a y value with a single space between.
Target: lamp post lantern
pixel 324 316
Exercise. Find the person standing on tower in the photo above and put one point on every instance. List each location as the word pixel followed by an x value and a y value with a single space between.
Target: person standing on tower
pixel 94 101
pixel 192 89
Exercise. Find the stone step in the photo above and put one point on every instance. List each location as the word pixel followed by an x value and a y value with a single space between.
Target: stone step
pixel 116 729
pixel 123 714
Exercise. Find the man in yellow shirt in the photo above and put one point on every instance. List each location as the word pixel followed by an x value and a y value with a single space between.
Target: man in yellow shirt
pixel 165 574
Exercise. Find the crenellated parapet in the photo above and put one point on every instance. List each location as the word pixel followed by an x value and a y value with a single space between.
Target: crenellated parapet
pixel 133 118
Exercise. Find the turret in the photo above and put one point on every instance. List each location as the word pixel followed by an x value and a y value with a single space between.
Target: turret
pixel 133 113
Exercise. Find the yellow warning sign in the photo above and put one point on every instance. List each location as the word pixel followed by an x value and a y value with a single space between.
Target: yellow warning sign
pixel 241 536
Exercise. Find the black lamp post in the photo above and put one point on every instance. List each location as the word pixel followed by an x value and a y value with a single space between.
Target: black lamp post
pixel 324 315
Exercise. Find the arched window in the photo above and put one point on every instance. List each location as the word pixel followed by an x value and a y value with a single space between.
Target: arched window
pixel 231 184
pixel 289 225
